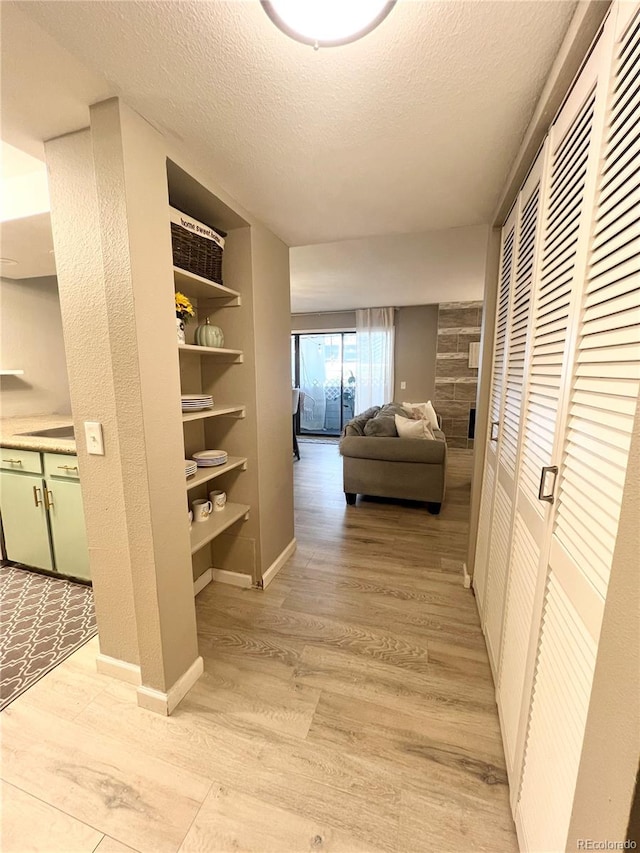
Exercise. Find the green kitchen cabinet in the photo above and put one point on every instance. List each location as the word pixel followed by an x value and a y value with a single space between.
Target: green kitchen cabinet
pixel 24 519
pixel 42 513
pixel 68 534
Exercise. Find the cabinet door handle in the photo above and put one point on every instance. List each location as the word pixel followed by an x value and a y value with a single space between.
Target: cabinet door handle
pixel 494 424
pixel 68 467
pixel 48 498
pixel 547 469
pixel 13 461
pixel 37 497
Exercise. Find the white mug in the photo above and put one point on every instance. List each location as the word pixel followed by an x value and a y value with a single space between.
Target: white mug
pixel 202 510
pixel 190 518
pixel 218 499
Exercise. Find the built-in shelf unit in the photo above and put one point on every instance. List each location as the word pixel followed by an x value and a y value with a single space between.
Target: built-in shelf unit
pixel 222 372
pixel 205 475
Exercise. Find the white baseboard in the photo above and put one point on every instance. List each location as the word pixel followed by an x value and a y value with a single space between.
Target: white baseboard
pixel 278 563
pixel 466 577
pixel 120 669
pixel 164 703
pixel 203 580
pixel 233 578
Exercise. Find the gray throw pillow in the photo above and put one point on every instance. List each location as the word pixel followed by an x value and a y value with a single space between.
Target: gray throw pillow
pixel 381 425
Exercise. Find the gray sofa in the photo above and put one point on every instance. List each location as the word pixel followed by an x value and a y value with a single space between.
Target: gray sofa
pixel 377 462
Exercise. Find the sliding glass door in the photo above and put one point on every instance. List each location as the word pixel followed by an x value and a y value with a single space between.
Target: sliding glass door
pixel 323 367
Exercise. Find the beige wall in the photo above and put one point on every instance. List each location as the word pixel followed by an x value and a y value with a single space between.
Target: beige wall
pixel 324 321
pixel 415 352
pixel 396 269
pixel 31 340
pixel 270 258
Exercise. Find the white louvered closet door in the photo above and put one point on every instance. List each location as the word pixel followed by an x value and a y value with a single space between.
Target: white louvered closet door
pixel 572 149
pixel 519 583
pixel 489 477
pixel 592 450
pixel 517 334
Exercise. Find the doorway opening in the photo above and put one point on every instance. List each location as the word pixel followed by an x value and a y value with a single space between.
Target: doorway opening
pixel 323 366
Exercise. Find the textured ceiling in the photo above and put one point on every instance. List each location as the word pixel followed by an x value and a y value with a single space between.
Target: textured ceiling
pixel 413 128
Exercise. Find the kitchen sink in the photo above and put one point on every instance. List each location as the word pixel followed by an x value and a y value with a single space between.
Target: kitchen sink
pixel 54 432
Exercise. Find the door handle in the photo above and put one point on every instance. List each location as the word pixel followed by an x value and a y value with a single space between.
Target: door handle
pixel 68 467
pixel 13 461
pixel 48 498
pixel 547 469
pixel 37 498
pixel 494 424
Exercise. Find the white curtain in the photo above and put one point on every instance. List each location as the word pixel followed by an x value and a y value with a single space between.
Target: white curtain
pixel 312 379
pixel 374 350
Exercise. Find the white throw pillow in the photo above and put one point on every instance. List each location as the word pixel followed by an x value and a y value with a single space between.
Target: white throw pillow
pixel 422 410
pixel 410 428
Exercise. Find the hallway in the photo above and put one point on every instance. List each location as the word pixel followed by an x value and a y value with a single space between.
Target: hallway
pixel 349 707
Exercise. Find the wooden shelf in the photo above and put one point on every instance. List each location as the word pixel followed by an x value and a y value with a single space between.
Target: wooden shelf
pixel 215 412
pixel 205 531
pixel 235 355
pixel 203 475
pixel 198 287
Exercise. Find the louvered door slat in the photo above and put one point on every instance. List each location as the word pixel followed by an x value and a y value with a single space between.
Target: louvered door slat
pixel 501 327
pixel 525 554
pixel 484 533
pixel 522 287
pixel 556 272
pixel 496 580
pixel 560 702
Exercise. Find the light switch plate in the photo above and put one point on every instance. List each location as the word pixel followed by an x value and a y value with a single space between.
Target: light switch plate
pixel 403 386
pixel 93 437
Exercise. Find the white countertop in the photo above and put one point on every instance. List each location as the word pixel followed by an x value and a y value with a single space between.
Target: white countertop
pixel 11 430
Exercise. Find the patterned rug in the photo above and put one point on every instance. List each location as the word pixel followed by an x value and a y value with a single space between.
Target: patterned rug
pixel 42 621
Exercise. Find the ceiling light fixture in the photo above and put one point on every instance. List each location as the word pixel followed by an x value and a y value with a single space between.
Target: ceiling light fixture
pixel 327 23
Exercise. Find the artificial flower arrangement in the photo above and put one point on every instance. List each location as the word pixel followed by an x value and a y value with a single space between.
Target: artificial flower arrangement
pixel 184 308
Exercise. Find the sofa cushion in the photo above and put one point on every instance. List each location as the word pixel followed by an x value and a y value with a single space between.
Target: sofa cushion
pixel 394 449
pixel 409 428
pixel 422 410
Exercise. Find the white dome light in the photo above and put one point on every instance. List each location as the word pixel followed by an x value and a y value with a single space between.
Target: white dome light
pixel 327 23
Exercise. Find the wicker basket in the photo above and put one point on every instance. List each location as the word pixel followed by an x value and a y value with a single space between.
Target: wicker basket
pixel 197 248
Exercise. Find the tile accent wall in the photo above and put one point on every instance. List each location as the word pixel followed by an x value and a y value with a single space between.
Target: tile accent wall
pixel 456 382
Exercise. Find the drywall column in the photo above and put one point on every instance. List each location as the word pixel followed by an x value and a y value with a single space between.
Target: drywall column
pixel 611 746
pixel 141 367
pixel 272 312
pixel 85 322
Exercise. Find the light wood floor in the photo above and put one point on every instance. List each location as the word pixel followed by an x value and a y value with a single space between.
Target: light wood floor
pixel 347 708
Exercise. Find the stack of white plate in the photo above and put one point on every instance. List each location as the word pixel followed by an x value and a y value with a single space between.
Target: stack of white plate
pixel 210 458
pixel 190 467
pixel 196 402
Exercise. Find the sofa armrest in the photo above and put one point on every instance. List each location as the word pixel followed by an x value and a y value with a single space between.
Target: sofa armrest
pixel 394 449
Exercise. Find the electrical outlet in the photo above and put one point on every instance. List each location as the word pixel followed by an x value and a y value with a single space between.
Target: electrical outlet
pixel 403 386
pixel 93 437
